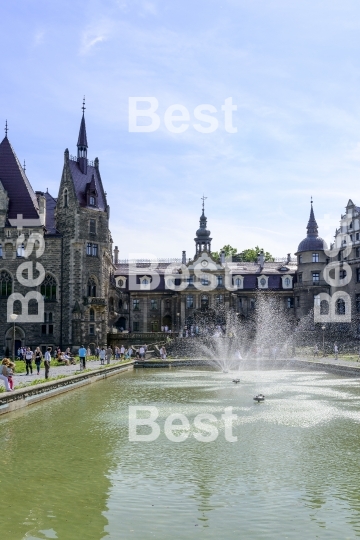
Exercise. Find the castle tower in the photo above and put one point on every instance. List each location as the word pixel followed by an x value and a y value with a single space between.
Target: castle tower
pixel 202 240
pixel 311 262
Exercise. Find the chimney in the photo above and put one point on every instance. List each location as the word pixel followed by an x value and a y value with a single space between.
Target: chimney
pixel 116 255
pixel 261 259
pixel 222 257
pixel 288 259
pixel 183 258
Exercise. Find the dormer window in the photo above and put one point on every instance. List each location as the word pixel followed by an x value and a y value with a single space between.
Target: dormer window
pixel 92 200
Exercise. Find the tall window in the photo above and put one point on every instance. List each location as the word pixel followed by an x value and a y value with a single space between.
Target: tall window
pixel 1 253
pixel 340 307
pixel 20 252
pixel 290 302
pixel 357 252
pixel 357 236
pixel 65 198
pixel 153 304
pixel 315 257
pixel 111 304
pixel 219 280
pixel 91 287
pixel 316 278
pixel 300 259
pixel 5 284
pixel 189 301
pixel 92 249
pixel 287 282
pixel 136 326
pixel 219 299
pixel 237 282
pixel 92 315
pixel 358 274
pixel 300 277
pixel 136 305
pixel 204 302
pixel 47 328
pixel 92 200
pixel 92 226
pixel 204 280
pixel 48 288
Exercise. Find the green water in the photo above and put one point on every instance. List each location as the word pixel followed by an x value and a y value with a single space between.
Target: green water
pixel 70 472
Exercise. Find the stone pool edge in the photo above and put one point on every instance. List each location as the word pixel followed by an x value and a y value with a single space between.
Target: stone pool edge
pixel 23 397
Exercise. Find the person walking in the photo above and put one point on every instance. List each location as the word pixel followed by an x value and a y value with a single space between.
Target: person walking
pixel 122 351
pixel 336 350
pixel 38 359
pixel 109 353
pixel 82 356
pixel 28 361
pixel 47 361
pixel 142 352
pixel 102 355
pixel 316 351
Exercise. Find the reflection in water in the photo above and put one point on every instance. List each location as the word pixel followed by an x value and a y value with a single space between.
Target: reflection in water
pixel 70 471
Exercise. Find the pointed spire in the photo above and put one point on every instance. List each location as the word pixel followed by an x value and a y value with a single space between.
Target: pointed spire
pixel 312 226
pixel 203 240
pixel 82 143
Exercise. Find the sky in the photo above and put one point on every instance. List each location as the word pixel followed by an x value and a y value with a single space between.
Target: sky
pixel 292 68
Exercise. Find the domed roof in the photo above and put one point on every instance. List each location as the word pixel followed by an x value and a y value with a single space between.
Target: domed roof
pixel 312 242
pixel 203 233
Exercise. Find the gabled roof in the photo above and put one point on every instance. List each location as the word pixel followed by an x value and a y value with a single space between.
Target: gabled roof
pixel 81 182
pixel 50 213
pixel 22 199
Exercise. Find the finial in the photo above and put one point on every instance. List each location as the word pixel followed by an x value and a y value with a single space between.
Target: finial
pixel 311 200
pixel 6 128
pixel 24 167
pixel 83 106
pixel 203 198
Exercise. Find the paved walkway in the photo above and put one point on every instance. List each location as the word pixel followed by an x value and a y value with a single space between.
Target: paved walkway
pixel 330 360
pixel 56 370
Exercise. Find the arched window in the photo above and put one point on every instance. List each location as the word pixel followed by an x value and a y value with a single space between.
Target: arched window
pixel 20 251
pixel 111 304
pixel 120 304
pixel 324 307
pixel 91 287
pixel 50 318
pixel 238 282
pixel 48 288
pixel 92 315
pixel 287 281
pixel 65 198
pixel 5 284
pixel 204 302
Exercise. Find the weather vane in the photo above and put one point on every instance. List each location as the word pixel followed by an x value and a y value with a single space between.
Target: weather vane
pixel 203 198
pixel 83 106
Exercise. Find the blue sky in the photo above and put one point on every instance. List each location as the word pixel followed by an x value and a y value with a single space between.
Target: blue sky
pixel 291 67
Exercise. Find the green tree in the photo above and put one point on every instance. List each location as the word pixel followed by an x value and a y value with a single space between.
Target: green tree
pixel 247 255
pixel 229 250
pixel 251 254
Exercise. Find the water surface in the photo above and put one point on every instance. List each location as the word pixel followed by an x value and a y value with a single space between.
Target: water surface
pixel 69 470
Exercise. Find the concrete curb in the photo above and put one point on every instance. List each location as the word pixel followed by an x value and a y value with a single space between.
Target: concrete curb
pixel 12 401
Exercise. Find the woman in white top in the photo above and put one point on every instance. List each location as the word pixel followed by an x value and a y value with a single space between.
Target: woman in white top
pixel 102 355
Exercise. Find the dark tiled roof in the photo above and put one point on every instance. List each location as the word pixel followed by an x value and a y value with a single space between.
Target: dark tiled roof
pixel 81 180
pixel 82 140
pixel 22 199
pixel 50 213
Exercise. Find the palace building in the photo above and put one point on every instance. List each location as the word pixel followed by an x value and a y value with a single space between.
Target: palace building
pixel 90 296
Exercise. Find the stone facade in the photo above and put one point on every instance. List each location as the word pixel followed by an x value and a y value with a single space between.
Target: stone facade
pixel 78 288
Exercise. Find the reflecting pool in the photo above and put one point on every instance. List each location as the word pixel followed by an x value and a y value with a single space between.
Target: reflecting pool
pixel 70 472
